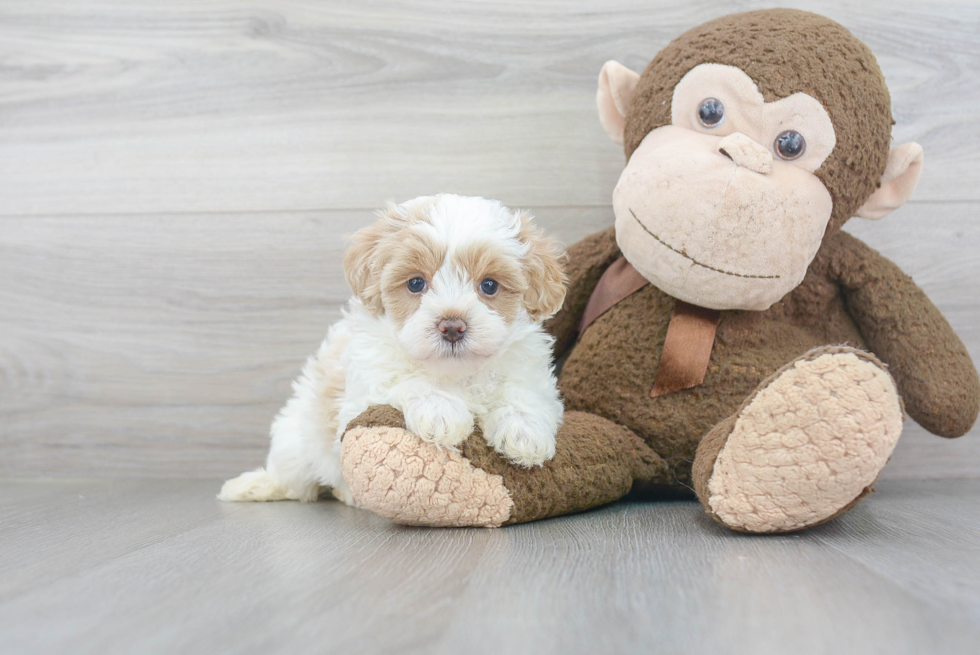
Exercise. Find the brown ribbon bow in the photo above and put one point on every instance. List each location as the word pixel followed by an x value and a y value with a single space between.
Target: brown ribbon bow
pixel 690 333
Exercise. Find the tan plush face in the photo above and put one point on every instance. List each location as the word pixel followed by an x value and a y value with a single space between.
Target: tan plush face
pixel 717 208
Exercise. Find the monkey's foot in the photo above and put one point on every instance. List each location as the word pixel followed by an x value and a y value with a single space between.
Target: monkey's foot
pixel 806 447
pixel 395 474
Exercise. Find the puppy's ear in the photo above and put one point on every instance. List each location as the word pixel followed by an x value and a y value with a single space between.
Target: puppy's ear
pixel 545 271
pixel 364 260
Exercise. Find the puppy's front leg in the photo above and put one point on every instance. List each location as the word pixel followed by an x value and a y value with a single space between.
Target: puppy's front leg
pixel 436 416
pixel 527 438
pixel 521 425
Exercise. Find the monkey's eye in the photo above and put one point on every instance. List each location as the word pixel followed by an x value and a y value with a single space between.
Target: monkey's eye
pixel 711 112
pixel 416 285
pixel 790 145
pixel 489 287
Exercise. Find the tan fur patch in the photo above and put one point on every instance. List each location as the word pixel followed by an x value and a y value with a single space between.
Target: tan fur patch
pixel 410 254
pixel 361 266
pixel 488 260
pixel 544 269
pixel 387 254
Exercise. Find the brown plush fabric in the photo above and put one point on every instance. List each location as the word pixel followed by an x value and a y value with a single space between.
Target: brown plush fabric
pixel 704 459
pixel 596 462
pixel 613 365
pixel 378 416
pixel 931 366
pixel 786 51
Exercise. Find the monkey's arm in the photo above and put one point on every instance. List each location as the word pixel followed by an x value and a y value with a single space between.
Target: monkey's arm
pixel 587 261
pixel 932 368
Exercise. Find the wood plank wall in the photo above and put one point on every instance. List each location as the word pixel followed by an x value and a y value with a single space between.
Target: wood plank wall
pixel 176 179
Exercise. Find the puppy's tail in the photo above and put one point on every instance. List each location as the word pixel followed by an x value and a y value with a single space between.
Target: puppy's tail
pixel 255 486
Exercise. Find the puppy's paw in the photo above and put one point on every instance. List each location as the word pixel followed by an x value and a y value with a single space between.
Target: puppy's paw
pixel 524 439
pixel 439 419
pixel 342 492
pixel 254 486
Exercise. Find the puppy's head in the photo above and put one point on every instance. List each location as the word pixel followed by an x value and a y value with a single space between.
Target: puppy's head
pixel 458 277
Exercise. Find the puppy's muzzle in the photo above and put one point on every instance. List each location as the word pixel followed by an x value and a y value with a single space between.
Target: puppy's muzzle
pixel 452 329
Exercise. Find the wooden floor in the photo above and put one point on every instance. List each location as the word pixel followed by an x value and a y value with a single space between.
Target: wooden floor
pixel 163 567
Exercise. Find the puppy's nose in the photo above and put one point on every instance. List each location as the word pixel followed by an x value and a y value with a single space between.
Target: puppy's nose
pixel 452 329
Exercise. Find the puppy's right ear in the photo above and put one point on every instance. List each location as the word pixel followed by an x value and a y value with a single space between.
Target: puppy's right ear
pixel 363 261
pixel 544 267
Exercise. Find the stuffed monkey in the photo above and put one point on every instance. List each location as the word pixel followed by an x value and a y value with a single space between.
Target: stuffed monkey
pixel 724 336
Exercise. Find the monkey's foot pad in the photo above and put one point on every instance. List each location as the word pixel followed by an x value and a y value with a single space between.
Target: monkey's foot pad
pixel 394 474
pixel 808 446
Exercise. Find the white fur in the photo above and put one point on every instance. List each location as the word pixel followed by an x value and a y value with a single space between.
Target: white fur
pixel 500 375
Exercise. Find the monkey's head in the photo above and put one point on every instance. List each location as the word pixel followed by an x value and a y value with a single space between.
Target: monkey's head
pixel 749 140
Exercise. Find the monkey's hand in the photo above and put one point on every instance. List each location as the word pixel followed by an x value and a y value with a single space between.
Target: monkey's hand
pixel 932 368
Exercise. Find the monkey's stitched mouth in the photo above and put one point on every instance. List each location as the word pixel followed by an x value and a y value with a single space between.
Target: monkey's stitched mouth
pixel 686 256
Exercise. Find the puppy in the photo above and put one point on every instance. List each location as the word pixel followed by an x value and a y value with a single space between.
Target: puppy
pixel 445 325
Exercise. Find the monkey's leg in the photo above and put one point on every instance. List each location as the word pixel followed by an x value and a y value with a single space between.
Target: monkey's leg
pixel 805 447
pixel 397 475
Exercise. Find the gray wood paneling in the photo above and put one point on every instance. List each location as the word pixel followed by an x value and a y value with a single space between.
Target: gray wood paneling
pixel 189 106
pixel 162 567
pixel 175 179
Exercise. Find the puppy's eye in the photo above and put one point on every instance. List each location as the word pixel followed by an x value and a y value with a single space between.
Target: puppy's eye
pixel 416 285
pixel 790 145
pixel 711 112
pixel 489 287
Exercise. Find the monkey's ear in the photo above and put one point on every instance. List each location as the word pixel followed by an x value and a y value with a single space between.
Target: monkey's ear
pixel 616 86
pixel 897 183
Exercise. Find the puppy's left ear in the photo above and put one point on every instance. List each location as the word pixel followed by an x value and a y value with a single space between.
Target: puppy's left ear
pixel 363 261
pixel 545 271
